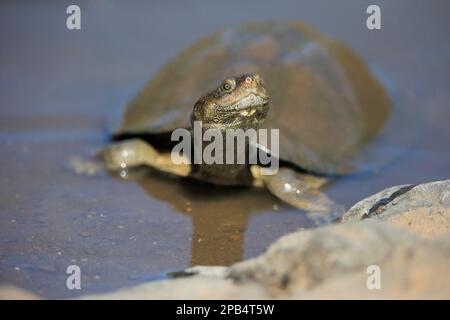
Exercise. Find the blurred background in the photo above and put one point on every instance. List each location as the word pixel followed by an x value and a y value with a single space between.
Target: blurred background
pixel 60 91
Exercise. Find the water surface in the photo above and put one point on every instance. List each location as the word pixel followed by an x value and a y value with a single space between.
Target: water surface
pixel 61 90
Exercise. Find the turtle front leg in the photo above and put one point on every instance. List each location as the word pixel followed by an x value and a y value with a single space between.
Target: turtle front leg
pixel 300 191
pixel 137 152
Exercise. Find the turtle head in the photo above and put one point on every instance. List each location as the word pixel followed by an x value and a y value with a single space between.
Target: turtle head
pixel 240 102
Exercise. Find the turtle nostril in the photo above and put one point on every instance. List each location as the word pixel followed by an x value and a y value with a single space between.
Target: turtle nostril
pixel 248 80
pixel 258 79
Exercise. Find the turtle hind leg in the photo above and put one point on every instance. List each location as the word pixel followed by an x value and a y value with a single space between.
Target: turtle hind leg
pixel 300 191
pixel 136 152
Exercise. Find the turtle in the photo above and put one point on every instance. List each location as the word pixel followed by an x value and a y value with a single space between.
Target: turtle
pixel 316 91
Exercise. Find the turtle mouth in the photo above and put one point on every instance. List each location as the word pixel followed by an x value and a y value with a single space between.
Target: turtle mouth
pixel 248 105
pixel 248 112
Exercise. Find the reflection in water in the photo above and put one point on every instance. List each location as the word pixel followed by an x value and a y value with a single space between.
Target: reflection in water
pixel 219 214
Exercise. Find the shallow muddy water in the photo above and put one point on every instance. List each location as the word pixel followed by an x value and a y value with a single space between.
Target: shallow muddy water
pixel 61 91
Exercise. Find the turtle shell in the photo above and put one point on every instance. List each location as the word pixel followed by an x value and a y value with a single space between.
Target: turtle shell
pixel 324 100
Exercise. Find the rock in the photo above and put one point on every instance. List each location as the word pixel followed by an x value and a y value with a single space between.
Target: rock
pixel 206 271
pixel 319 263
pixel 195 287
pixel 423 209
pixel 421 275
pixel 8 292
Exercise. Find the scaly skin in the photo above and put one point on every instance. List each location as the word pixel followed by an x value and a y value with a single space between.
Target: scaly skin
pixel 240 102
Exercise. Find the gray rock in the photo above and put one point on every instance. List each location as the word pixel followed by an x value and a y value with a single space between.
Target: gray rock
pixel 423 209
pixel 305 260
pixel 373 205
pixel 195 287
pixel 204 271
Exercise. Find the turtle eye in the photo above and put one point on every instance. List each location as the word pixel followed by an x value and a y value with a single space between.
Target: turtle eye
pixel 226 86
